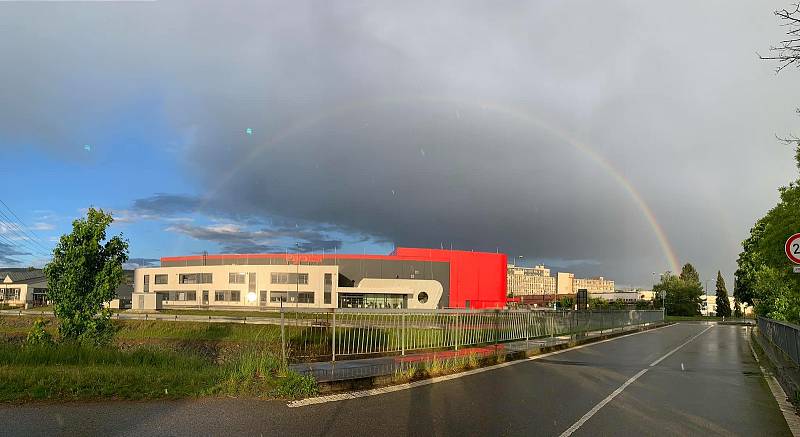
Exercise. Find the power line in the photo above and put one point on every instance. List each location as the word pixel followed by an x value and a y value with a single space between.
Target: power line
pixel 34 238
pixel 25 237
pixel 21 238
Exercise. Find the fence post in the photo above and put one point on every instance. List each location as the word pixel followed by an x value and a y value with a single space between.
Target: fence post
pixel 496 328
pixel 403 334
pixel 528 328
pixel 458 329
pixel 283 338
pixel 333 335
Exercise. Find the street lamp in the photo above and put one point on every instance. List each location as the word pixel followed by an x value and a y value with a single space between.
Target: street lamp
pixel 297 277
pixel 708 307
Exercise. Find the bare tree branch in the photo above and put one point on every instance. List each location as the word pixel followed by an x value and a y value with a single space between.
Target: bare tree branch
pixel 787 52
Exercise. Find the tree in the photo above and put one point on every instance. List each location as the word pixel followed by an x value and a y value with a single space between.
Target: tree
pixel 749 263
pixel 723 304
pixel 689 274
pixel 737 308
pixel 682 295
pixel 787 51
pixel 84 273
pixel 764 275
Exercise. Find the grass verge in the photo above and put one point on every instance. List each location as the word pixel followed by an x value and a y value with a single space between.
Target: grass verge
pixel 148 360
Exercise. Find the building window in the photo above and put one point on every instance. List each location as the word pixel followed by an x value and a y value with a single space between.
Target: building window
pixel 9 294
pixel 227 296
pixel 328 288
pixel 288 278
pixel 161 279
pixel 236 278
pixel 251 282
pixel 278 296
pixel 422 297
pixel 177 296
pixel 146 283
pixel 305 297
pixel 195 278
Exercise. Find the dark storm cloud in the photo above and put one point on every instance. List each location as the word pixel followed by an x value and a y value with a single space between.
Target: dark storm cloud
pixel 234 239
pixel 428 124
pixel 9 254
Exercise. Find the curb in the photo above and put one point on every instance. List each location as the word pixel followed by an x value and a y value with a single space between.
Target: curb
pixel 371 382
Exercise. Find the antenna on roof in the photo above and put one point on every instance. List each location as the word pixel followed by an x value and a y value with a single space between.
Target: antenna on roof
pixel 205 257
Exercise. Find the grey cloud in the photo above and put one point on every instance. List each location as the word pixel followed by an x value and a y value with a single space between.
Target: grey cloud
pixel 235 239
pixel 142 262
pixel 421 124
pixel 9 254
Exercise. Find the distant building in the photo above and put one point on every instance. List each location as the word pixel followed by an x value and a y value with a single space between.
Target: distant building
pixel 28 288
pixel 565 282
pixel 526 281
pixel 21 287
pixel 594 285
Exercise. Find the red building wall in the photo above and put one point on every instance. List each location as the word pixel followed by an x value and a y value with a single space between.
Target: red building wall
pixel 477 277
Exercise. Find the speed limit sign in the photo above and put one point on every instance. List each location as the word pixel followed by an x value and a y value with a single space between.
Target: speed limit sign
pixel 793 248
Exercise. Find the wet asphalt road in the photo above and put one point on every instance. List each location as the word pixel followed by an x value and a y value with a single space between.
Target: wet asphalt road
pixel 710 386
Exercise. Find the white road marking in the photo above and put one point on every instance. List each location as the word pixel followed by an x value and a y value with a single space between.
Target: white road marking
pixel 682 368
pixel 654 363
pixel 785 406
pixel 409 385
pixel 619 390
pixel 602 403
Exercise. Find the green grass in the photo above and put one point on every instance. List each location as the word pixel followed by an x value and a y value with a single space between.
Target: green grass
pixel 76 372
pixel 149 359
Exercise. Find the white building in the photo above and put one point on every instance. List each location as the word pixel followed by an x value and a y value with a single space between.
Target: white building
pixel 525 281
pixel 23 288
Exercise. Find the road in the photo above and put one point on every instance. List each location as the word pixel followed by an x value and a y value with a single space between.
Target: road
pixel 684 379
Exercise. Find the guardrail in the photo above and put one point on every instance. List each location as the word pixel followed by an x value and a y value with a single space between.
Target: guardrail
pixel 345 332
pixel 328 334
pixel 785 336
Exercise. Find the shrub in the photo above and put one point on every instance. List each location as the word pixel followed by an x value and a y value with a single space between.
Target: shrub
pixel 38 335
pixel 295 385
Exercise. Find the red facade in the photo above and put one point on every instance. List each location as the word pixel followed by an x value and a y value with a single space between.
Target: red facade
pixel 475 277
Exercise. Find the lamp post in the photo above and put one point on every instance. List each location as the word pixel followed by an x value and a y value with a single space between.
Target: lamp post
pixel 297 277
pixel 708 312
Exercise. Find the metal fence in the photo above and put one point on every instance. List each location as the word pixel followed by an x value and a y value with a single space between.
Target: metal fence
pixel 332 334
pixel 785 336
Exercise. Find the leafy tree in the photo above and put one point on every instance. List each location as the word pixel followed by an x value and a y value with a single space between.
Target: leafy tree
pixel 84 273
pixel 567 303
pixel 749 263
pixel 723 304
pixel 737 308
pixel 682 295
pixel 689 274
pixel 764 275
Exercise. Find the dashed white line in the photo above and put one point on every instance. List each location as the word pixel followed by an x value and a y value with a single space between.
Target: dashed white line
pixel 619 390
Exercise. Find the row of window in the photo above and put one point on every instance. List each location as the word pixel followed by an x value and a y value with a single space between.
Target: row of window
pixel 236 296
pixel 233 278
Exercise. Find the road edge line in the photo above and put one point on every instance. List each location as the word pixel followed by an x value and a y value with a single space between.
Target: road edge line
pixel 786 407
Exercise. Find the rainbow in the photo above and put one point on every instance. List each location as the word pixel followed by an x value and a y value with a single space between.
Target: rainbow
pixel 519 114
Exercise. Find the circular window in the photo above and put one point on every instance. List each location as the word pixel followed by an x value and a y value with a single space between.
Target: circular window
pixel 422 297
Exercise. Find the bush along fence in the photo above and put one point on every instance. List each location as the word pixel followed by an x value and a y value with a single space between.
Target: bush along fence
pixel 315 335
pixel 785 336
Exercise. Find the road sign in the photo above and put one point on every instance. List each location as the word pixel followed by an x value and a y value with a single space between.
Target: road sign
pixel 797 269
pixel 663 294
pixel 793 248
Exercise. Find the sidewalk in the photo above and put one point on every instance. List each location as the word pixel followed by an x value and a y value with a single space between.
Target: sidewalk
pixel 344 370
